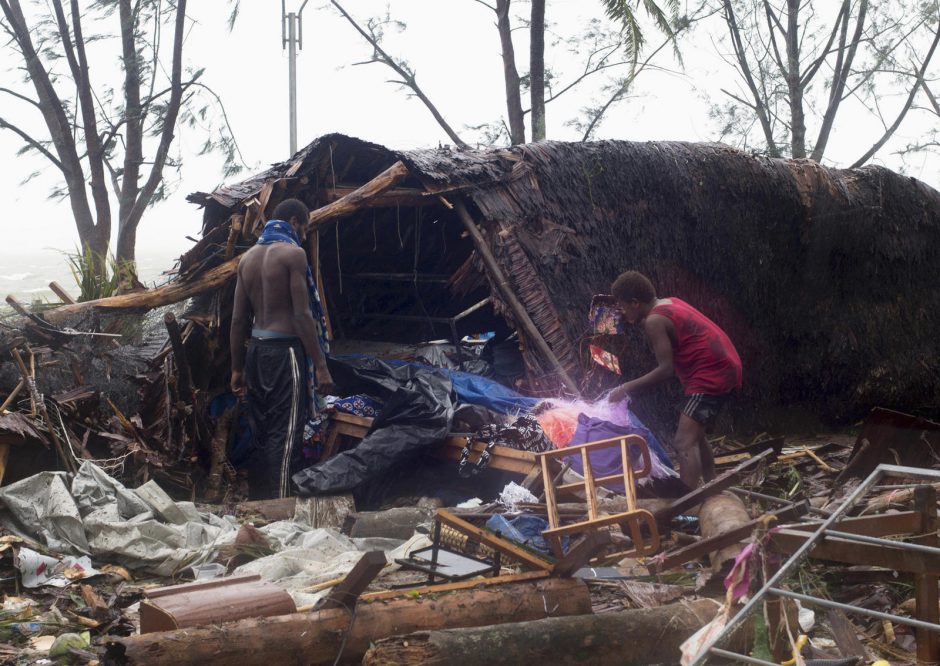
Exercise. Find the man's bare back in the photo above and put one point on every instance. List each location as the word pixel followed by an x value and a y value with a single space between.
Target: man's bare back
pixel 265 274
pixel 271 293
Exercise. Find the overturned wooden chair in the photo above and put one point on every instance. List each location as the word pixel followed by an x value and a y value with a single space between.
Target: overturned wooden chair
pixel 638 524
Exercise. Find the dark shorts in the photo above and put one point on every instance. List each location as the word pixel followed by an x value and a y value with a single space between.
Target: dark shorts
pixel 704 408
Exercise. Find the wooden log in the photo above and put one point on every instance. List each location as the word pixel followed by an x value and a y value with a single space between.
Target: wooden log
pixel 173 292
pixel 345 594
pixel 518 309
pixel 318 637
pixel 636 636
pixel 358 198
pixel 720 514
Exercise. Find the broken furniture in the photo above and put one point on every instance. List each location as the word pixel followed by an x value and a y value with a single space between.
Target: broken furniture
pixel 349 425
pixel 860 541
pixel 212 602
pixel 440 561
pixel 638 524
pixel 501 457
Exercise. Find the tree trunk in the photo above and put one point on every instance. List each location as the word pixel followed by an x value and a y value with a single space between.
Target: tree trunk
pixel 318 637
pixel 625 638
pixel 537 69
pixel 794 83
pixel 510 75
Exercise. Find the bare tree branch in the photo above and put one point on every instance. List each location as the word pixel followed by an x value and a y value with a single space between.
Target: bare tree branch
pixel 408 78
pixel 907 105
pixel 22 97
pixel 32 142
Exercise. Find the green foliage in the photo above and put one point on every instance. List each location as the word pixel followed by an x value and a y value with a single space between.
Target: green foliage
pixel 95 275
pixel 624 12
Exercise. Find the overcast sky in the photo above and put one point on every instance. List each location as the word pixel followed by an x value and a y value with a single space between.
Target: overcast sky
pixel 453 46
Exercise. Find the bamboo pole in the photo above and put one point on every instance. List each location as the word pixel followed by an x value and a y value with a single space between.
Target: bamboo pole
pixel 518 309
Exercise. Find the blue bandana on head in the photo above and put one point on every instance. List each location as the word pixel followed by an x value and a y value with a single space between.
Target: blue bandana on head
pixel 279 231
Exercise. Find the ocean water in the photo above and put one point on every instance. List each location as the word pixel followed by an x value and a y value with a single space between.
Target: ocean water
pixel 26 275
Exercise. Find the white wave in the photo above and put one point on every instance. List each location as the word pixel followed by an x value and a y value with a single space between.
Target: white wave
pixel 15 277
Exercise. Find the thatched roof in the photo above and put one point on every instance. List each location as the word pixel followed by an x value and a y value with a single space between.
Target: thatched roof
pixel 826 279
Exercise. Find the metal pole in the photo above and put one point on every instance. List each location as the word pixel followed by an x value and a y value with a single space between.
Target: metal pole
pixel 292 77
pixel 292 38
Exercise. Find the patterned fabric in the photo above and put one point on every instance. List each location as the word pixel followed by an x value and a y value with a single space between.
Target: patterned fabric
pixel 279 231
pixel 605 316
pixel 358 405
pixel 523 434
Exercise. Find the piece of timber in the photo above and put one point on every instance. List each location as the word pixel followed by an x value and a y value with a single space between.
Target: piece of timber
pixel 319 637
pixel 473 583
pixel 504 546
pixel 501 457
pixel 718 515
pixel 359 197
pixel 4 456
pixel 713 487
pixel 57 289
pixel 345 594
pixel 396 196
pixel 882 525
pixel 837 549
pixel 634 637
pixel 845 635
pixel 701 548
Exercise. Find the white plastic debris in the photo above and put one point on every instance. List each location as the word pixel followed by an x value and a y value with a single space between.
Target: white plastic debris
pixel 37 569
pixel 514 494
pixel 474 503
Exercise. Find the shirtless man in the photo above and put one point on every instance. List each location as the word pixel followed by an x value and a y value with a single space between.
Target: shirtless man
pixel 272 298
pixel 688 344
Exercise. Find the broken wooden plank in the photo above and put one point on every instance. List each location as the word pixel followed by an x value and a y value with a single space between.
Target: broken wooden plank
pixel 324 637
pixel 713 487
pixel 703 547
pixel 345 594
pixel 57 289
pixel 845 635
pixel 787 541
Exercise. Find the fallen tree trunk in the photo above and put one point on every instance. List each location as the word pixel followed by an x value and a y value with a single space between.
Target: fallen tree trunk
pixel 317 638
pixel 642 636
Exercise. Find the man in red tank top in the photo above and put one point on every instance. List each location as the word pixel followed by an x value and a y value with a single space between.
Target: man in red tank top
pixel 691 346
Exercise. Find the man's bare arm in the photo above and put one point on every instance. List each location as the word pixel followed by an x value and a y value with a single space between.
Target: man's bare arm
pixel 657 332
pixel 303 318
pixel 238 335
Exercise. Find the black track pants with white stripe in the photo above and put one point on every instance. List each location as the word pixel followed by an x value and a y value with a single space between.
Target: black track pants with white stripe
pixel 275 371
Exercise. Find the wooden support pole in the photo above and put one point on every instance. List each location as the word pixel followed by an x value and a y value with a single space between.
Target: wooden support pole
pixel 925 585
pixel 518 309
pixel 325 637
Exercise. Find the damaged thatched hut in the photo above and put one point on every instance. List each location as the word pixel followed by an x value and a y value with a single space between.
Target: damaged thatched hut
pixel 826 279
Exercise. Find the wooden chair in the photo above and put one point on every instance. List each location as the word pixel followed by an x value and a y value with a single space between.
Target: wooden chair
pixel 631 522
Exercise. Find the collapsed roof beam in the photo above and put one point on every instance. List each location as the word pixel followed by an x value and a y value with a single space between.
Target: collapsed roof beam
pixel 398 196
pixel 361 197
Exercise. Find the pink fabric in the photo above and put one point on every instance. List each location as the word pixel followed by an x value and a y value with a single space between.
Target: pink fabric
pixel 559 425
